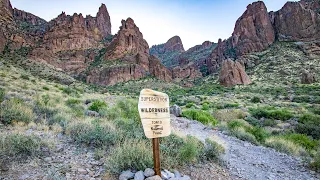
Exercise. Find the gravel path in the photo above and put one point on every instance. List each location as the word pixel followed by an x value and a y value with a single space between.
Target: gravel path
pixel 245 160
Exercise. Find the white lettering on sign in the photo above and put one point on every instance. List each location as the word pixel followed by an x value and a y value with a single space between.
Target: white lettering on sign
pixel 154 113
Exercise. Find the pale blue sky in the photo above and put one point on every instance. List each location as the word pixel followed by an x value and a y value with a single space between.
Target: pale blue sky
pixel 195 21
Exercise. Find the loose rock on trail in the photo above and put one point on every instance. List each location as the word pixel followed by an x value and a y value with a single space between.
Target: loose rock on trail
pixel 245 160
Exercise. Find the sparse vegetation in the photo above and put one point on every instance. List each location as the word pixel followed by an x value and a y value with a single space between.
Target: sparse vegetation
pixel 16 110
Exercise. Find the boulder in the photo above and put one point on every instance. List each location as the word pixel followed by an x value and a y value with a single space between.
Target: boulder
pixel 154 178
pixel 149 172
pixel 139 175
pixel 307 77
pixel 125 175
pixel 233 73
pixel 176 110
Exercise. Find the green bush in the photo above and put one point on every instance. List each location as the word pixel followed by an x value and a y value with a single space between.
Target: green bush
pixel 190 151
pixel 234 124
pixel 302 140
pixel 205 106
pixel 131 154
pixel 16 110
pixel 255 99
pixel 259 133
pixel 213 150
pixel 253 121
pixel 45 88
pixel 241 134
pixel 93 134
pixel 283 145
pixel 271 112
pixel 190 105
pixel 21 146
pixel 309 125
pixel 201 116
pixel 231 105
pixel 97 105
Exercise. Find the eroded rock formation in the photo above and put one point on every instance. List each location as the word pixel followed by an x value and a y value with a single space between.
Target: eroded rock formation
pixel 127 58
pixel 253 32
pixel 174 44
pixel 233 73
pixel 297 21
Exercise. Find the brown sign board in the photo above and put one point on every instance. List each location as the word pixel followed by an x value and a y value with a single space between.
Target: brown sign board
pixel 154 112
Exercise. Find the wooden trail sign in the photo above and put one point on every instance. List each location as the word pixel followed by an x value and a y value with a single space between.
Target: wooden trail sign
pixel 154 112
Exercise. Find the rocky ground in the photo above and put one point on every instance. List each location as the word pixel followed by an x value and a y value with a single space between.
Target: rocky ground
pixel 245 160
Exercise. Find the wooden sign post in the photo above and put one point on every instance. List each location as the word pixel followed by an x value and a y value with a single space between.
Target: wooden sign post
pixel 155 117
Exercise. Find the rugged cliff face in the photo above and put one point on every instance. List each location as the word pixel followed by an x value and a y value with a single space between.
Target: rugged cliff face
pixel 297 21
pixel 168 52
pixel 256 29
pixel 127 58
pixel 253 32
pixel 6 22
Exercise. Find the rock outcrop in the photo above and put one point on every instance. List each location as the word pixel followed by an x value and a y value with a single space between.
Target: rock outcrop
pixel 6 13
pixel 127 58
pixel 233 73
pixel 168 52
pixel 297 21
pixel 174 44
pixel 253 32
pixel 129 40
pixel 189 71
pixel 307 77
pixel 3 41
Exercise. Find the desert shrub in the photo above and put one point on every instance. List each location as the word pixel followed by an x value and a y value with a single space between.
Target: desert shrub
pixel 271 112
pixel 70 91
pixel 2 95
pixel 71 102
pixel 213 150
pixel 21 146
pixel 24 76
pixel 128 109
pixel 253 121
pixel 231 105
pixel 229 114
pixel 259 133
pixel 302 140
pixel 201 116
pixel 255 99
pixel 309 125
pixel 131 154
pixel 16 110
pixel 269 122
pixel 190 105
pixel 190 150
pixel 60 118
pixel 97 105
pixel 315 164
pixel 285 146
pixel 234 124
pixel 93 134
pixel 241 134
pixel 45 88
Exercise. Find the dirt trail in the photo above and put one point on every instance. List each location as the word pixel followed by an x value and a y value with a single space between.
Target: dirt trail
pixel 245 160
